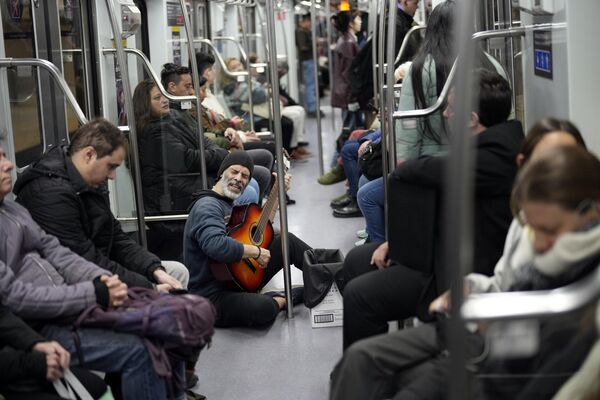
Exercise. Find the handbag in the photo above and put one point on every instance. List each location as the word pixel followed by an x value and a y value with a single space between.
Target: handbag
pixel 370 162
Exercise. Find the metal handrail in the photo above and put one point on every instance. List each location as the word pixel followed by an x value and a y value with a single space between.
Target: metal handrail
pixel 54 73
pixel 224 68
pixel 478 36
pixel 436 106
pixel 536 304
pixel 156 218
pixel 236 42
pixel 148 67
pixel 404 45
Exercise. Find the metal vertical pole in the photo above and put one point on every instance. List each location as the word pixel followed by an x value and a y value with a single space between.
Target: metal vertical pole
pixel 196 81
pixel 313 20
pixel 511 58
pixel 246 42
pixel 381 60
pixel 137 177
pixel 387 134
pixel 374 47
pixel 330 57
pixel 287 277
pixel 458 243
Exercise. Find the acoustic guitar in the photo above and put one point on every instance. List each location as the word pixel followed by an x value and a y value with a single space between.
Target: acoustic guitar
pixel 248 224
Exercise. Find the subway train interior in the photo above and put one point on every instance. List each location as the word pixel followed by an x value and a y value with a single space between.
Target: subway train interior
pixel 412 131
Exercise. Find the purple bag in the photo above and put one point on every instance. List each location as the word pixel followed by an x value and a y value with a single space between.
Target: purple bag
pixel 174 323
pixel 174 320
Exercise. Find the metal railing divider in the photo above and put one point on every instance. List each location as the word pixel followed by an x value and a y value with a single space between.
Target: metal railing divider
pixel 134 149
pixel 54 73
pixel 196 81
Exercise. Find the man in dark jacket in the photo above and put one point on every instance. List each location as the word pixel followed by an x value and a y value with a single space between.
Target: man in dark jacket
pixel 47 284
pixel 378 291
pixel 66 193
pixel 206 240
pixel 307 63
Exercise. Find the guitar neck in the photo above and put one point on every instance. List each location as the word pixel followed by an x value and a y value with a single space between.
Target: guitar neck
pixel 270 208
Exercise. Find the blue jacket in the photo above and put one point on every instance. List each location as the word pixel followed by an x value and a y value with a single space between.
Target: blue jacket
pixel 205 238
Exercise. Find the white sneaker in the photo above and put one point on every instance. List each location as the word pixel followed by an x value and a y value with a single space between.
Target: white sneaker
pixel 361 234
pixel 360 242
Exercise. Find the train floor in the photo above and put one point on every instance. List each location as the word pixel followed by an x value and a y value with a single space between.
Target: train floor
pixel 289 360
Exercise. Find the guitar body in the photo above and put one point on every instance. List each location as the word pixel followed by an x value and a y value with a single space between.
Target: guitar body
pixel 246 274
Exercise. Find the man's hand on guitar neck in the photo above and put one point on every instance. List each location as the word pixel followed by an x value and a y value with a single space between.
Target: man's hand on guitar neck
pixel 261 255
pixel 287 180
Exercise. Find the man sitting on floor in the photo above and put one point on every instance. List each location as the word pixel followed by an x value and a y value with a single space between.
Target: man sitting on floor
pixel 206 240
pixel 66 194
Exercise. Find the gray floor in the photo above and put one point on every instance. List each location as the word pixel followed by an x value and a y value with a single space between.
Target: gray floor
pixel 289 360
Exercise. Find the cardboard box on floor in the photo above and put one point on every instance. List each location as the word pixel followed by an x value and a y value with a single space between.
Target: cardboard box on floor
pixel 328 312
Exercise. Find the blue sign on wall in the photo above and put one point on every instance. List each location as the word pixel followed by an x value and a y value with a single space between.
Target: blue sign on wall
pixel 542 54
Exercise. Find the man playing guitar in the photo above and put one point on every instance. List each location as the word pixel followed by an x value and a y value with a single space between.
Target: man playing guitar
pixel 208 238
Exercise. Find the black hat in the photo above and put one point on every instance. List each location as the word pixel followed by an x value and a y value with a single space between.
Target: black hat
pixel 238 157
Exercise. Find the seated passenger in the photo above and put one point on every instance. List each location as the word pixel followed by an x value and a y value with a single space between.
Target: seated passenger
pixel 29 362
pixel 237 95
pixel 294 112
pixel 206 240
pixel 48 285
pixel 421 88
pixel 376 294
pixel 170 154
pixel 178 81
pixel 557 196
pixel 66 193
pixel 205 63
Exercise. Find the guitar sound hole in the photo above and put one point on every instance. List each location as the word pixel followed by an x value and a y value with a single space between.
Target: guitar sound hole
pixel 254 235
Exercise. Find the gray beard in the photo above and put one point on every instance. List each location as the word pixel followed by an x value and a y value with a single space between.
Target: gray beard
pixel 228 193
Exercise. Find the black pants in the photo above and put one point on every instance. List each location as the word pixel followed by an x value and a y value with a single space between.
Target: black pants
pixel 287 129
pixel 373 297
pixel 254 309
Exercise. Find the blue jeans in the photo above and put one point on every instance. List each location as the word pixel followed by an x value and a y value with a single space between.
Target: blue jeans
pixel 249 195
pixel 308 75
pixel 370 199
pixel 109 351
pixel 350 157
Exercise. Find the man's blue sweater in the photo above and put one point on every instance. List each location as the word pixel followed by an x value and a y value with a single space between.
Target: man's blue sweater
pixel 205 239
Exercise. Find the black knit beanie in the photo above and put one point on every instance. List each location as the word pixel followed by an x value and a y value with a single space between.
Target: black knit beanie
pixel 238 157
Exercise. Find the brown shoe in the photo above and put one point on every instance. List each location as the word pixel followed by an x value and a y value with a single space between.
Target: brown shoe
pixel 295 156
pixel 302 151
